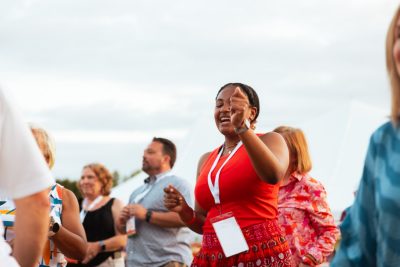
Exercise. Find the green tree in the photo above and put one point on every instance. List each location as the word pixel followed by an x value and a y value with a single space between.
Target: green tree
pixel 71 185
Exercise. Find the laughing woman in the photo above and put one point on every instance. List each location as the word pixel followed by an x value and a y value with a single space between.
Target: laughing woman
pixel 237 189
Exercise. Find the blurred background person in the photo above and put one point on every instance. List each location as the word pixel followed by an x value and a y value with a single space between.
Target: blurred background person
pixel 161 239
pixel 304 213
pixel 237 187
pixel 66 234
pixel 371 228
pixel 98 214
pixel 25 178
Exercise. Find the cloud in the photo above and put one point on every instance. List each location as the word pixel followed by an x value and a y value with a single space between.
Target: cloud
pixel 97 71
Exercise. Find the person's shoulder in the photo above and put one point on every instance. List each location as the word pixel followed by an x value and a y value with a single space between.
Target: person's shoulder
pixel 314 182
pixel 116 202
pixel 203 159
pixel 383 139
pixel 205 156
pixel 65 191
pixel 386 129
pixel 272 137
pixel 177 181
pixel 175 178
pixel 313 185
pixel 137 190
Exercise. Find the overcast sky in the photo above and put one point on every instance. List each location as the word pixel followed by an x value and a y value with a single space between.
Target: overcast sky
pixel 104 77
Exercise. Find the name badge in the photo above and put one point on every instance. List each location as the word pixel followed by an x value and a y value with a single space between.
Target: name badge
pixel 229 234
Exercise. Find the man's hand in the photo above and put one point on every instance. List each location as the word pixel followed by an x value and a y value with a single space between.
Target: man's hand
pixel 136 210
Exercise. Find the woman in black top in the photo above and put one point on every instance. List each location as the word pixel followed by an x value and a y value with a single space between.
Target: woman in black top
pixel 98 215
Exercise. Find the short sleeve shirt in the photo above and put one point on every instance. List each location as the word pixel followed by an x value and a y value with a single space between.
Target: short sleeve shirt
pixel 23 170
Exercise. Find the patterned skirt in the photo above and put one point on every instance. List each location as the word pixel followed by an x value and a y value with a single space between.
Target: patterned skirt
pixel 267 248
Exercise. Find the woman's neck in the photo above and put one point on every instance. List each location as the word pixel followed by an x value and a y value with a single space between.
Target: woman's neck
pixel 230 144
pixel 231 141
pixel 91 198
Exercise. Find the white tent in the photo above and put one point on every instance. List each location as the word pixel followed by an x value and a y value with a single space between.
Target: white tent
pixel 124 190
pixel 338 141
pixel 203 137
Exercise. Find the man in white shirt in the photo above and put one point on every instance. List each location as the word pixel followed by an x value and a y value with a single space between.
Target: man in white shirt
pixel 24 177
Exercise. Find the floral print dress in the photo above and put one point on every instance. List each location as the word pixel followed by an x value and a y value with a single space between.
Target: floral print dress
pixel 306 219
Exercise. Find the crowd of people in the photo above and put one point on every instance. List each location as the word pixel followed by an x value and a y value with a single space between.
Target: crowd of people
pixel 255 202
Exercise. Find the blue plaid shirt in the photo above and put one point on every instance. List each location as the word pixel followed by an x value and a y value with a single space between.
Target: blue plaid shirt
pixel 371 229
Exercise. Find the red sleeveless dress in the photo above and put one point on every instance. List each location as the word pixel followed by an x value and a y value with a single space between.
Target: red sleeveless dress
pixel 254 206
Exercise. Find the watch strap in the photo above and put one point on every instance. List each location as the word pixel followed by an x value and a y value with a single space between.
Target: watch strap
pixel 245 126
pixel 54 227
pixel 102 246
pixel 149 213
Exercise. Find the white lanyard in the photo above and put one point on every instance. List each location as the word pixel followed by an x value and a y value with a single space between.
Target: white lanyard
pixel 215 188
pixel 140 196
pixel 85 209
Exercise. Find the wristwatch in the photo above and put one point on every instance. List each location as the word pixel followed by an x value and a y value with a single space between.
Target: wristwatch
pixel 148 215
pixel 243 128
pixel 54 227
pixel 102 246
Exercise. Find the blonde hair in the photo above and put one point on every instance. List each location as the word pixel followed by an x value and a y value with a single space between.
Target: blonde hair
pixel 45 143
pixel 392 70
pixel 300 159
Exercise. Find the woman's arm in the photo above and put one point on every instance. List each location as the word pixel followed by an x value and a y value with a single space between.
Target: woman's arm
pixel 174 201
pixel 116 242
pixel 119 240
pixel 71 238
pixel 323 223
pixel 269 153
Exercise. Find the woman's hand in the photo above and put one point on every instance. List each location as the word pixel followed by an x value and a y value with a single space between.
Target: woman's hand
pixel 173 199
pixel 239 108
pixel 93 248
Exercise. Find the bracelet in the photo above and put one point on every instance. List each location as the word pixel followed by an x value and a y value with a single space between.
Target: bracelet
pixel 191 220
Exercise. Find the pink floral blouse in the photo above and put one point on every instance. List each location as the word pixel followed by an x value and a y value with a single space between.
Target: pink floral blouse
pixel 306 219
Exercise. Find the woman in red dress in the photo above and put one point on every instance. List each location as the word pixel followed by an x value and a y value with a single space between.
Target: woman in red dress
pixel 237 189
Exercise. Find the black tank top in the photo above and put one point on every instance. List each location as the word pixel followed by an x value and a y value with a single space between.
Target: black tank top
pixel 99 225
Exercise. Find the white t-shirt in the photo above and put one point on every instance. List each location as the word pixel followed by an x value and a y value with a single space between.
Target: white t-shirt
pixel 23 170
